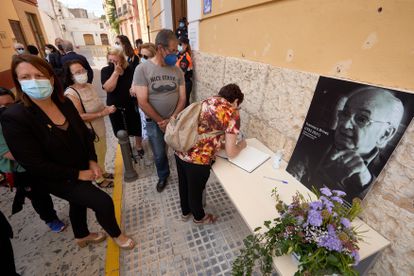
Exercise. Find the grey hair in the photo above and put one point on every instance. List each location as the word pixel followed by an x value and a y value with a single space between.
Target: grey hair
pixel 396 107
pixel 67 46
pixel 164 37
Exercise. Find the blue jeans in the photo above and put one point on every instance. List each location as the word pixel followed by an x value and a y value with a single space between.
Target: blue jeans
pixel 156 139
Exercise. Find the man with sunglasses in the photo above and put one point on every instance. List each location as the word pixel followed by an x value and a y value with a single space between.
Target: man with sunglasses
pixel 160 89
pixel 348 158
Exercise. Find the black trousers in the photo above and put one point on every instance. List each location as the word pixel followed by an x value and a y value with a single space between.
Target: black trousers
pixel 7 266
pixel 192 179
pixel 82 195
pixel 41 200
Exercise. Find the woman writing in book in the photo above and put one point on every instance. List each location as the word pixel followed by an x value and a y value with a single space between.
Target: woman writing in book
pixel 219 113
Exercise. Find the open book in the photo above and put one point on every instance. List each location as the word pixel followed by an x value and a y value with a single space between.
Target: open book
pixel 248 159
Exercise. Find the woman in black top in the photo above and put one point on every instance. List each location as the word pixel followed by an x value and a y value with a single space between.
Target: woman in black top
pixel 116 80
pixel 48 138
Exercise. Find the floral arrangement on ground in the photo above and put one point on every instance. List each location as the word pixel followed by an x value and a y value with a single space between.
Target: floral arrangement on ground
pixel 319 233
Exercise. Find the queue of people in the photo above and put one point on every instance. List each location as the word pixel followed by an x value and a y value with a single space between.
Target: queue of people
pixel 61 111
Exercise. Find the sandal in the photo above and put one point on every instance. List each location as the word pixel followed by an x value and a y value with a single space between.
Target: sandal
pixel 108 175
pixel 185 217
pixel 99 237
pixel 128 244
pixel 208 219
pixel 105 184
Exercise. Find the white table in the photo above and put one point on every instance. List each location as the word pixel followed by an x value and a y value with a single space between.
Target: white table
pixel 251 194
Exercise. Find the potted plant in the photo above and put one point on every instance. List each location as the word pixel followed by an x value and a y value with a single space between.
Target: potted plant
pixel 319 233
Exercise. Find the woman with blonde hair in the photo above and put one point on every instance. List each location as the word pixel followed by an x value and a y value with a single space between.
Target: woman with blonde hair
pixel 148 50
pixel 116 80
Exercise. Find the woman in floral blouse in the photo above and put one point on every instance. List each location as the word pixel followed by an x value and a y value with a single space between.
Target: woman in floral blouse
pixel 193 167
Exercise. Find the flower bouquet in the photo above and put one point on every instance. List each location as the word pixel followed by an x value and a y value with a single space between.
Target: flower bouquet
pixel 318 232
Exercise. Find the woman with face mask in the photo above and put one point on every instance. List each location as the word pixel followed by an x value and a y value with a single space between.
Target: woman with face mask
pixel 122 43
pixel 116 80
pixel 148 51
pixel 49 139
pixel 186 64
pixel 91 109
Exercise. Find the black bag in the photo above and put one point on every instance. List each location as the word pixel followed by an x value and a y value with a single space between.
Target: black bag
pixel 92 134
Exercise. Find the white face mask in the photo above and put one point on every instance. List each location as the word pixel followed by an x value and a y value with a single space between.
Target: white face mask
pixel 20 51
pixel 118 46
pixel 81 78
pixel 47 51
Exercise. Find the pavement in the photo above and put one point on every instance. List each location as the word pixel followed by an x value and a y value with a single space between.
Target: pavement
pixel 165 244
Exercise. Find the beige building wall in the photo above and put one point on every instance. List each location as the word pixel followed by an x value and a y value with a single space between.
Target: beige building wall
pixel 22 7
pixel 371 41
pixel 7 36
pixel 276 50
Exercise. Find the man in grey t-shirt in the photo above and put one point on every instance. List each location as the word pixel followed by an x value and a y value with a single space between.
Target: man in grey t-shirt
pixel 160 89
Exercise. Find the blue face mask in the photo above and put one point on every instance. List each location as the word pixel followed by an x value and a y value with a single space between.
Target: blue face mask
pixel 143 60
pixel 37 89
pixel 170 59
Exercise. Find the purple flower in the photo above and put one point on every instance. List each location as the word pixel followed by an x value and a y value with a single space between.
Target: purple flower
pixel 337 199
pixel 314 218
pixel 345 222
pixel 331 241
pixel 355 255
pixel 327 203
pixel 326 191
pixel 339 193
pixel 315 205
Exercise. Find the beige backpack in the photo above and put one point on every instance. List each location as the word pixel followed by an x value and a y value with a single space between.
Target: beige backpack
pixel 182 134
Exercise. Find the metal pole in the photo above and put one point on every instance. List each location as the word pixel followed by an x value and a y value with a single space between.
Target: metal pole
pixel 129 172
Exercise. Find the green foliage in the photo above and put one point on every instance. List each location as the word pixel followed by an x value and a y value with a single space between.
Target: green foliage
pixel 112 16
pixel 291 233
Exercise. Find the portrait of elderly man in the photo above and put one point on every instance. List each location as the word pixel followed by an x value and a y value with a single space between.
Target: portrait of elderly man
pixel 347 156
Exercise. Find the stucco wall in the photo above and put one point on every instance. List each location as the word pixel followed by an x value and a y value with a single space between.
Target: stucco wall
pixel 276 103
pixel 370 41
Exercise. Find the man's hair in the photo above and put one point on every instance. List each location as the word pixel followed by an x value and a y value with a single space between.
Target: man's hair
pixel 67 46
pixel 138 41
pixel 32 50
pixel 18 45
pixel 164 37
pixel 6 92
pixel 231 92
pixel 396 107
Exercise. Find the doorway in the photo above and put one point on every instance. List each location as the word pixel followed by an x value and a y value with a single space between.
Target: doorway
pixel 37 31
pixel 179 10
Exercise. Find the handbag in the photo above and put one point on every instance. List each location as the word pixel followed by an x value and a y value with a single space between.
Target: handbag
pixel 92 134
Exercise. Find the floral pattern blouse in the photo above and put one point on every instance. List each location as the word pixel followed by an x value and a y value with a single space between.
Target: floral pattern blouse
pixel 216 114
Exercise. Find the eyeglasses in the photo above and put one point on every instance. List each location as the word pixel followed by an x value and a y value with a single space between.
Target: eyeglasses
pixel 117 43
pixel 20 49
pixel 358 119
pixel 145 56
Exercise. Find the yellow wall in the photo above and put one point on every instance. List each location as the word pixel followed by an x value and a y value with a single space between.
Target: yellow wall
pixel 8 12
pixel 21 9
pixel 350 39
pixel 156 13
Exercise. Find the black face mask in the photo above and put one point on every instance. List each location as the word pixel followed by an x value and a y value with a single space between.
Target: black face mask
pixel 60 47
